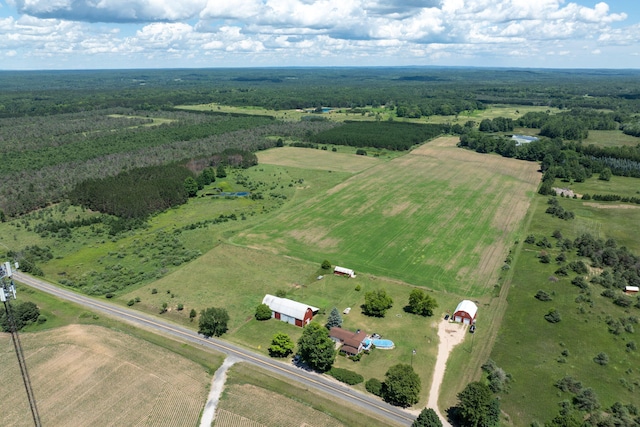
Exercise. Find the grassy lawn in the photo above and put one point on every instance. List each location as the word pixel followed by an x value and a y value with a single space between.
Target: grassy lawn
pixel 610 138
pixel 530 348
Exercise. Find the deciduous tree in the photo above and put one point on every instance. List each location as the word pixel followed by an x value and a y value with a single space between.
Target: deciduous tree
pixel 281 345
pixel 315 348
pixel 421 303
pixel 376 303
pixel 213 321
pixel 401 386
pixel 478 406
pixel 427 418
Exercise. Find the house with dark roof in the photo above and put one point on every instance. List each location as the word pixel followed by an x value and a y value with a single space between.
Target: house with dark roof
pixel 352 342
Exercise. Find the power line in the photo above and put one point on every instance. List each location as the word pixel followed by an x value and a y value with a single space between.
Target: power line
pixel 7 292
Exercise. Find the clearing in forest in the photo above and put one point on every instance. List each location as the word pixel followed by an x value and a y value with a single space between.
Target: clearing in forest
pixel 306 158
pixel 90 375
pixel 440 217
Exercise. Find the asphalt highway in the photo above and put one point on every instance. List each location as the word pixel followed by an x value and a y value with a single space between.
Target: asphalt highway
pixel 309 379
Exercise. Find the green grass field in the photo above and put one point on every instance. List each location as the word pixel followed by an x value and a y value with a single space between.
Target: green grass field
pixel 530 348
pixel 376 114
pixel 621 185
pixel 408 219
pixel 609 138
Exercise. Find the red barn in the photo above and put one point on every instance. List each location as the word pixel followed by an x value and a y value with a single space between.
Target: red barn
pixel 290 311
pixel 465 312
pixel 341 271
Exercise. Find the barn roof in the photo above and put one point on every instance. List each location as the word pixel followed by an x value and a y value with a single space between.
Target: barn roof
pixel 344 271
pixel 468 307
pixel 288 307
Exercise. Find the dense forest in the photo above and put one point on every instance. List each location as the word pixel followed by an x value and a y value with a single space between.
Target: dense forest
pixel 389 135
pixel 61 128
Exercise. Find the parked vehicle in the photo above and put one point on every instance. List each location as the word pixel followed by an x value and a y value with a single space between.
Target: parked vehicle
pixel 472 329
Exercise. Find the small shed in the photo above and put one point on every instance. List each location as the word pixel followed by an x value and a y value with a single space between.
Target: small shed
pixel 352 342
pixel 341 271
pixel 631 290
pixel 286 310
pixel 465 312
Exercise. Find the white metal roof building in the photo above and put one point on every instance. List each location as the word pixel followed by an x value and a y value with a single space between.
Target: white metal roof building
pixel 465 312
pixel 289 311
pixel 344 271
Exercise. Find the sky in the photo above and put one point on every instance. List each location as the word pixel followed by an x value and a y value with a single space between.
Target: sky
pixel 117 34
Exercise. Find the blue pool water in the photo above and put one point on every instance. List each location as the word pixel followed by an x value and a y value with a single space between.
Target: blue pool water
pixel 383 344
pixel 237 194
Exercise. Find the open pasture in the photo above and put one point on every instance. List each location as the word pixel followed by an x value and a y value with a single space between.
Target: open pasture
pixel 531 349
pixel 90 375
pixel 610 138
pixel 439 217
pixel 621 185
pixel 306 158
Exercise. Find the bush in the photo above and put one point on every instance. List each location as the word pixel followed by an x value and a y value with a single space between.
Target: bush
pixel 263 312
pixel 543 296
pixel 42 319
pixel 130 302
pixel 601 359
pixel 374 386
pixel 109 295
pixel 326 265
pixel 180 307
pixel 553 316
pixel 346 376
pixel 154 291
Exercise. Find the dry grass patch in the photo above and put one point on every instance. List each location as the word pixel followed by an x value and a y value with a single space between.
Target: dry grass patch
pixel 267 408
pixel 307 158
pixel 88 375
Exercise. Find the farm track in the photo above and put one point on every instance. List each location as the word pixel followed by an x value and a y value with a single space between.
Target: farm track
pixel 394 415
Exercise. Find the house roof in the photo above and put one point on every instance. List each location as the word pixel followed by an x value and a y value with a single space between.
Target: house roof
pixel 287 307
pixel 629 288
pixel 468 307
pixel 348 338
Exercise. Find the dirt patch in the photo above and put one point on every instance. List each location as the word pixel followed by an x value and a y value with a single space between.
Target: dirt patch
pixel 603 206
pixel 89 375
pixel 450 335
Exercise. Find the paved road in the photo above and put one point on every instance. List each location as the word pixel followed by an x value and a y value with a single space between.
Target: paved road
pixel 309 379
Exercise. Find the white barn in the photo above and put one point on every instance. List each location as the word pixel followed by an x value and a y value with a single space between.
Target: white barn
pixel 465 312
pixel 341 271
pixel 290 311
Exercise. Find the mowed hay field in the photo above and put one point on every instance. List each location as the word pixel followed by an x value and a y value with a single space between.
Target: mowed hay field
pixel 306 158
pixel 86 375
pixel 439 217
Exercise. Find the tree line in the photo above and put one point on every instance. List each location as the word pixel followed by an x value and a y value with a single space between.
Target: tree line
pixel 389 135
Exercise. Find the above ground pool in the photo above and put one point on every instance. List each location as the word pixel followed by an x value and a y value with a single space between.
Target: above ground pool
pixel 381 344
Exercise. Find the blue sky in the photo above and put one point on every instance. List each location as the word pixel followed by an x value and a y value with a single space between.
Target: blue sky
pixel 86 34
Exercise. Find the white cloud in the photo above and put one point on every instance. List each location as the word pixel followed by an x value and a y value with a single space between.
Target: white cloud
pixel 305 30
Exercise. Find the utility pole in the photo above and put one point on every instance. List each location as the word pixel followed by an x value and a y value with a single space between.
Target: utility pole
pixel 7 292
